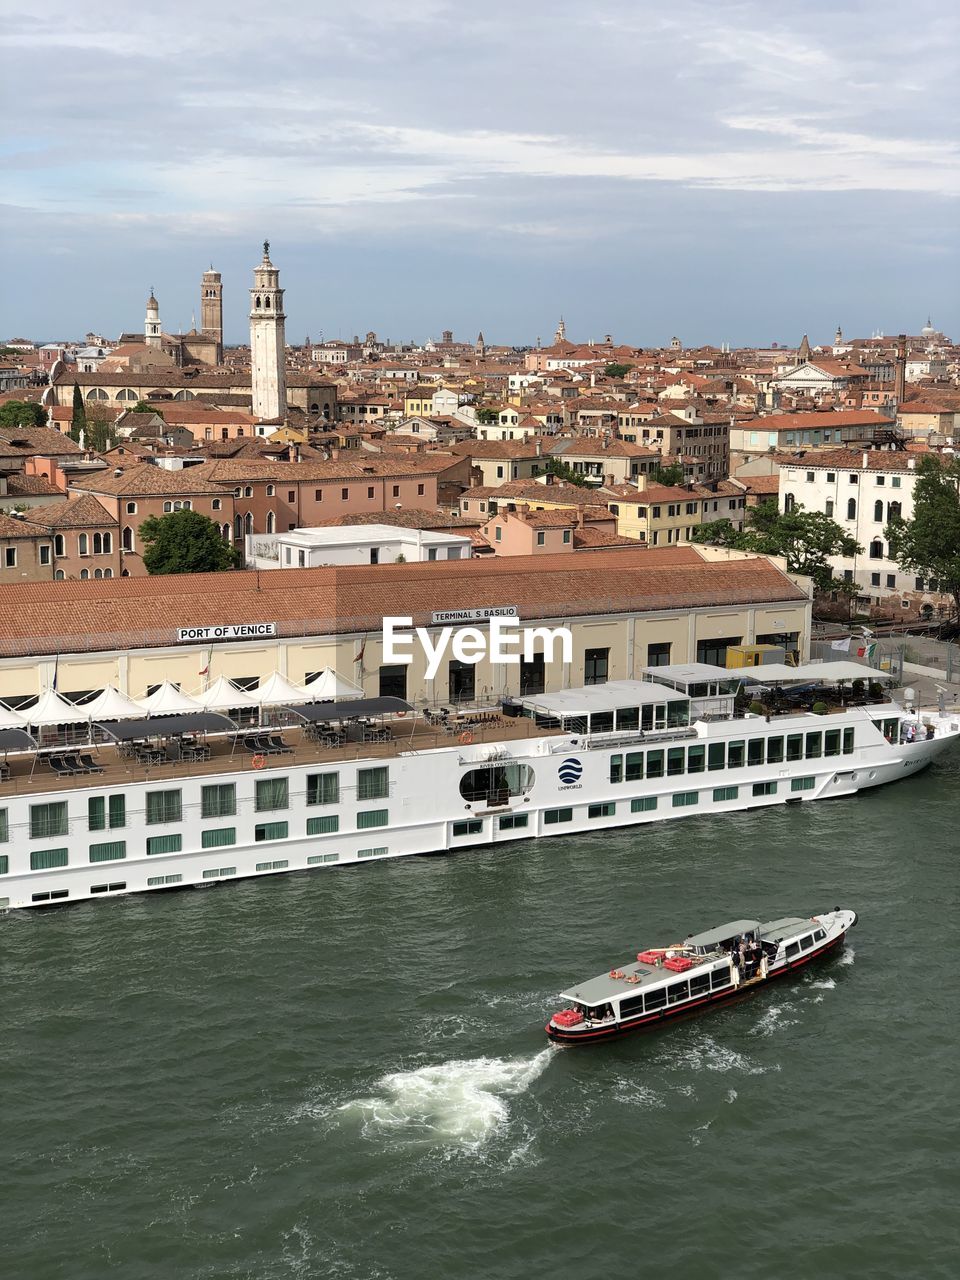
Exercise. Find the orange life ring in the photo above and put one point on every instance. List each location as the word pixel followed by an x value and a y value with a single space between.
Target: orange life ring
pixel 616 973
pixel 465 738
pixel 258 761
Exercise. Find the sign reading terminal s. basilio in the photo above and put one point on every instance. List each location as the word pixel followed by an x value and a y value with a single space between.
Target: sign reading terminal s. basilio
pixel 236 631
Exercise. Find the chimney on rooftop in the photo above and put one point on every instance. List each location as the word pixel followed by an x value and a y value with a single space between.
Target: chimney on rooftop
pixel 866 459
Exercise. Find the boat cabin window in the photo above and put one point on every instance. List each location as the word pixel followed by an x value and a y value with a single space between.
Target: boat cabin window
pixel 601 722
pixel 716 756
pixel 734 755
pixel 848 742
pixel 655 999
pixel 496 783
pixel 632 1005
pixel 678 991
pixel 806 942
pixel 720 978
pixel 755 751
pixel 794 746
pixel 831 742
pixel 628 718
pixel 774 751
pixel 814 745
pixel 819 936
pixel 793 949
pixel 654 764
pixel 699 984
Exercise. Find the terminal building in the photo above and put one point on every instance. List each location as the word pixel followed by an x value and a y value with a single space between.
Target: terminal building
pixel 626 610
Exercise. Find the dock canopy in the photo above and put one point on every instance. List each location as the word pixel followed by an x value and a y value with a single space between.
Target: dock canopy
pixel 319 712
pixel 51 709
pixel 166 726
pixel 807 672
pixel 330 685
pixel 278 691
pixel 111 704
pixel 167 700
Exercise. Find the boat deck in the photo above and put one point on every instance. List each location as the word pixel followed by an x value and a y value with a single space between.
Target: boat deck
pixel 29 773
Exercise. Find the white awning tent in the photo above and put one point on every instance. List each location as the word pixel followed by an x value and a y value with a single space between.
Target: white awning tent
pixel 279 692
pixel 52 709
pixel 808 672
pixel 612 696
pixel 10 719
pixel 224 696
pixel 111 704
pixel 167 700
pixel 329 686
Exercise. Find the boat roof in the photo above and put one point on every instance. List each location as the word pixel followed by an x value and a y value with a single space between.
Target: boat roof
pixel 713 937
pixel 786 927
pixel 612 696
pixel 827 672
pixel 693 672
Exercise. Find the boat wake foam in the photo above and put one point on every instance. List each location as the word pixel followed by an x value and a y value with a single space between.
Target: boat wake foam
pixel 847 956
pixel 462 1102
pixel 823 984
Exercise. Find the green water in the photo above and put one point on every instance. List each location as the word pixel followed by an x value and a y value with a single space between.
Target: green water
pixel 344 1074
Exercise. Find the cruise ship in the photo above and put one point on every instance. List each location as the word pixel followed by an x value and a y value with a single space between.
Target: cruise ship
pixel 127 801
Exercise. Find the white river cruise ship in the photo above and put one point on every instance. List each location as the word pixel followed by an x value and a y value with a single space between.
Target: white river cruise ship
pixel 135 805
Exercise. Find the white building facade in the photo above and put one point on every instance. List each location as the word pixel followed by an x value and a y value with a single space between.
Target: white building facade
pixel 860 490
pixel 353 544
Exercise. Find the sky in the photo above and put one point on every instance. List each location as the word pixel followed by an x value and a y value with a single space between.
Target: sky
pixel 745 172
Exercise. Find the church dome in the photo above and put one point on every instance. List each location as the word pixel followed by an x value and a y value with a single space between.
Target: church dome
pixel 928 330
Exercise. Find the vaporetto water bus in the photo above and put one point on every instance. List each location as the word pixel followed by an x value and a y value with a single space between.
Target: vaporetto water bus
pixel 702 972
pixel 116 801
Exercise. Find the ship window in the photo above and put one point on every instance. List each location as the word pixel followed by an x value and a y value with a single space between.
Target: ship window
pixel 495 784
pixel 616 768
pixel 774 750
pixel 793 949
pixel 634 1004
pixel 831 742
pixel 219 800
pixel 164 844
pixel 802 784
pixel 378 852
pixel 114 887
pixel 719 978
pixel 553 816
pixel 819 936
pixel 735 755
pixel 4 865
pixel 806 941
pixel 108 852
pixel 45 859
pixel 99 815
pixel 695 759
pixel 755 751
pixel 654 764
pixel 469 827
pixel 373 784
pixel 814 745
pixel 270 831
pixel 605 810
pixel 699 983
pixel 628 718
pixel 678 991
pixel 601 722
pixel 848 742
pixel 675 761
pixel 154 881
pixel 794 746
pixel 324 826
pixel 48 820
pixel 214 873
pixel 655 999
pixel 683 799
pixel 634 770
pixel 725 793
pixel 164 806
pixel 273 866
pixel 643 804
pixel 48 895
pixel 716 756
pixel 512 821
pixel 316 858
pixel 891 730
pixel 323 788
pixel 218 837
pixel 764 788
pixel 4 827
pixel 372 818
pixel 272 793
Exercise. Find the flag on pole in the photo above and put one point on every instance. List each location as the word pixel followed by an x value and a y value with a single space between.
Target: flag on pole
pixel 206 669
pixel 56 667
pixel 842 645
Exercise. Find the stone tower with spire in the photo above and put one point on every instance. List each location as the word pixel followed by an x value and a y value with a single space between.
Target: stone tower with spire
pixel 803 351
pixel 152 329
pixel 267 340
pixel 561 332
pixel 480 347
pixel 211 309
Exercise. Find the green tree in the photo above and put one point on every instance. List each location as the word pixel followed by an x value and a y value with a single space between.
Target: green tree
pixel 488 415
pixel 929 543
pixel 22 413
pixel 142 407
pixel 100 432
pixel 617 370
pixel 806 540
pixel 563 471
pixel 671 474
pixel 185 542
pixel 78 419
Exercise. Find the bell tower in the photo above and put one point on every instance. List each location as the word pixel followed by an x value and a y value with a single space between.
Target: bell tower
pixel 152 329
pixel 211 309
pixel 267 340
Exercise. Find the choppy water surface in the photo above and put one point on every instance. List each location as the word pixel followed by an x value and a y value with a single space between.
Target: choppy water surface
pixel 345 1074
